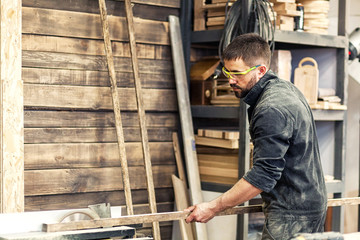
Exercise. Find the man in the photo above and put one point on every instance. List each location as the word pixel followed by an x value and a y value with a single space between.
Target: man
pixel 286 168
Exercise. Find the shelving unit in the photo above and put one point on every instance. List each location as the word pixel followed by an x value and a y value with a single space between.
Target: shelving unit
pixel 285 40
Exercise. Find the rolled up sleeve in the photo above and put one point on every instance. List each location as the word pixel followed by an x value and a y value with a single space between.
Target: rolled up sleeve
pixel 271 133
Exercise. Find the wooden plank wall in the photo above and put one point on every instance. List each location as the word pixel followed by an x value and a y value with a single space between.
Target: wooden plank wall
pixel 71 155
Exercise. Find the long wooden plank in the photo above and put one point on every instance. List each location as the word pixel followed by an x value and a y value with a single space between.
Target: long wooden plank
pixel 91 135
pixel 82 155
pixel 79 200
pixel 142 9
pixel 141 116
pixel 86 25
pixel 52 76
pixel 144 218
pixel 116 108
pixel 61 181
pixel 53 119
pixel 169 216
pixel 186 120
pixel 95 98
pixel 58 60
pixel 11 109
pixel 31 42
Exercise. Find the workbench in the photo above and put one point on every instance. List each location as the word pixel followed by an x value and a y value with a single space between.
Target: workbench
pixel 99 233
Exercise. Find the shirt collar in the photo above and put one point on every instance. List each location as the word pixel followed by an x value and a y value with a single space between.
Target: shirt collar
pixel 253 95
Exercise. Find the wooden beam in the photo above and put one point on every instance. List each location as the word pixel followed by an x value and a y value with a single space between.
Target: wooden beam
pixel 167 216
pixel 186 119
pixel 116 106
pixel 11 109
pixel 142 117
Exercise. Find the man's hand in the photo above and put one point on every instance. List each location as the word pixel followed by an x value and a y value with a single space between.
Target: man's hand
pixel 202 212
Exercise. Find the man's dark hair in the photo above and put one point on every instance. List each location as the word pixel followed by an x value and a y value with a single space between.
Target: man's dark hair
pixel 249 47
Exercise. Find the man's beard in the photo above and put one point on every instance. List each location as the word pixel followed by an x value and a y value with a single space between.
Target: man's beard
pixel 244 91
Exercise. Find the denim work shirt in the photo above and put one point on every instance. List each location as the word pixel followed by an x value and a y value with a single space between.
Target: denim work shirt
pixel 286 158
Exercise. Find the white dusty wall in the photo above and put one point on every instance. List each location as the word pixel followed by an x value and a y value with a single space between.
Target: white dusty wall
pixel 352 137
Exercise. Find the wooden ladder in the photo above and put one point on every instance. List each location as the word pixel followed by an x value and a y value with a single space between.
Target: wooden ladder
pixel 141 112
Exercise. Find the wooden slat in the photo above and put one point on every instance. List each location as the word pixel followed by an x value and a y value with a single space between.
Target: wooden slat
pixel 142 9
pixel 95 98
pixel 142 116
pixel 219 158
pixel 42 43
pixel 222 134
pixel 90 135
pixel 81 155
pixel 116 107
pixel 218 172
pixel 11 109
pixel 144 218
pixel 222 166
pixel 218 180
pixel 90 62
pixel 61 181
pixel 85 25
pixel 214 142
pixel 53 119
pixel 81 200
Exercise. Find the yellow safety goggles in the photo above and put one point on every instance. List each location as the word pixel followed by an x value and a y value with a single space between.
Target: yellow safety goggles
pixel 233 74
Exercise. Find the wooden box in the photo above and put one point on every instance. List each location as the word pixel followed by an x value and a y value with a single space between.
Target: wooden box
pixel 200 92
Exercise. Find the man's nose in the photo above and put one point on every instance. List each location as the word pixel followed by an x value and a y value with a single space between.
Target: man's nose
pixel 232 81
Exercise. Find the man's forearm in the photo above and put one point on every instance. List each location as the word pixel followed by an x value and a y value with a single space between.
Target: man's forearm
pixel 241 192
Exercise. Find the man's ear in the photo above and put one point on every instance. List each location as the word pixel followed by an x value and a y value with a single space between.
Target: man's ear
pixel 262 71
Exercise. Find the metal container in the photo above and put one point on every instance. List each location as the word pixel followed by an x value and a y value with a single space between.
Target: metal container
pixel 299 20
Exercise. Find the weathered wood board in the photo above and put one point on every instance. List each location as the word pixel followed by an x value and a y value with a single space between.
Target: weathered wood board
pixel 53 119
pixel 85 155
pixel 79 200
pixel 95 98
pixel 79 180
pixel 82 77
pixel 86 25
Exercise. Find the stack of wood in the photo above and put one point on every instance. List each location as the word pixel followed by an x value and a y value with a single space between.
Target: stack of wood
pixel 328 100
pixel 218 154
pixel 316 15
pixel 215 13
pixel 285 13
